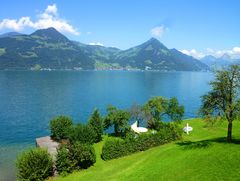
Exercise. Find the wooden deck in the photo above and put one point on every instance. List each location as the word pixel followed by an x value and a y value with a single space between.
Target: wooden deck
pixel 49 144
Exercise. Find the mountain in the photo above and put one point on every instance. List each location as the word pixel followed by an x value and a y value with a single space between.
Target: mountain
pixel 208 60
pixel 45 48
pixel 99 53
pixel 49 49
pixel 50 34
pixel 220 62
pixel 188 63
pixel 155 56
pixel 9 34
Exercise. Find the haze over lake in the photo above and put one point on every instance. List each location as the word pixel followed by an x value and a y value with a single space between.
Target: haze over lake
pixel 28 100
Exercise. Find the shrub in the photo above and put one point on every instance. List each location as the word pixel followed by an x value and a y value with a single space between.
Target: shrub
pixel 82 133
pixel 96 122
pixel 60 127
pixel 74 157
pixel 64 164
pixel 115 148
pixel 34 164
pixel 82 155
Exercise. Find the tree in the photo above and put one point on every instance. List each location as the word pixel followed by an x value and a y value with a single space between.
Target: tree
pixel 160 108
pixel 174 110
pixel 223 99
pixel 118 119
pixel 139 114
pixel 96 123
pixel 60 127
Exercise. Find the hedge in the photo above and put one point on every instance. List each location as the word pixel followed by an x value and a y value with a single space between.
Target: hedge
pixel 115 148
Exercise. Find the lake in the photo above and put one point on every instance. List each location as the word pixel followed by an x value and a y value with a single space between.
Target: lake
pixel 28 100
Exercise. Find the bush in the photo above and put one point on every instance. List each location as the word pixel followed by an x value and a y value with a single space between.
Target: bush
pixel 115 148
pixel 82 155
pixel 74 157
pixel 82 133
pixel 96 122
pixel 64 164
pixel 34 164
pixel 60 127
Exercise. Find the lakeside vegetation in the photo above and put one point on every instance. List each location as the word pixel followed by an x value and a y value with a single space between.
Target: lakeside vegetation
pixel 204 154
pixel 76 151
pixel 220 106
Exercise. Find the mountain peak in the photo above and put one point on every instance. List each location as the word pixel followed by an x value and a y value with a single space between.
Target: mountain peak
pixel 226 56
pixel 50 33
pixel 155 43
pixel 153 40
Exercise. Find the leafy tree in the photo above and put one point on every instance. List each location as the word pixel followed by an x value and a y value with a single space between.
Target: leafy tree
pixel 223 100
pixel 96 123
pixel 159 107
pixel 174 110
pixel 34 164
pixel 60 127
pixel 139 114
pixel 83 134
pixel 118 119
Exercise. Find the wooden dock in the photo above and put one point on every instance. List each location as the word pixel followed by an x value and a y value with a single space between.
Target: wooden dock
pixel 49 144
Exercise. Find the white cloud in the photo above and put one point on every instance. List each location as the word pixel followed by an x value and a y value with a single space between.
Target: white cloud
pixel 48 18
pixel 158 31
pixel 236 50
pixel 52 9
pixel 89 33
pixel 234 53
pixel 193 53
pixel 98 43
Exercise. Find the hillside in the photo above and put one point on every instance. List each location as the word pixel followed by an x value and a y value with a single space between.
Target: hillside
pixel 202 155
pixel 49 49
pixel 156 56
pixel 44 48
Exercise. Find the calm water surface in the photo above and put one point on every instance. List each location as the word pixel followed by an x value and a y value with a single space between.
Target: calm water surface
pixel 28 100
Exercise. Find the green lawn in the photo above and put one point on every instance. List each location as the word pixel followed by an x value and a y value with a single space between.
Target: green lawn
pixel 202 155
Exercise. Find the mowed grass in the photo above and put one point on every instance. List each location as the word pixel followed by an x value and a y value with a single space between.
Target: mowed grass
pixel 202 155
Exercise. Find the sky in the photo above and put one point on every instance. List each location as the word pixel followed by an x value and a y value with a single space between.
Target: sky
pixel 197 28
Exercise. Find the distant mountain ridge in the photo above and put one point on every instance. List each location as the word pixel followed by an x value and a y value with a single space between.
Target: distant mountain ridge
pixel 9 34
pixel 220 62
pixel 49 49
pixel 153 55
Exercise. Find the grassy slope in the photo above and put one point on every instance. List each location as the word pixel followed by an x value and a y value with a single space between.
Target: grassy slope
pixel 202 155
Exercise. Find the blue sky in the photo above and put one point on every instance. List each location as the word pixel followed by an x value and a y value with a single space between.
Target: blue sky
pixel 195 27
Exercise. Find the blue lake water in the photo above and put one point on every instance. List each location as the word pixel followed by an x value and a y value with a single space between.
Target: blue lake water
pixel 28 100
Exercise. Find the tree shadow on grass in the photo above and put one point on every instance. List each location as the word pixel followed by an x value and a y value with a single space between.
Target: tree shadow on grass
pixel 194 145
pixel 205 143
